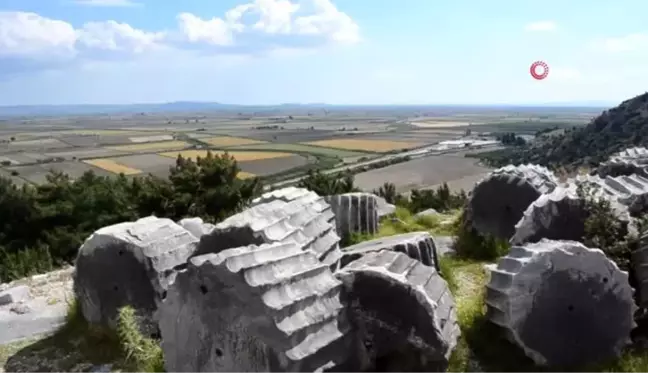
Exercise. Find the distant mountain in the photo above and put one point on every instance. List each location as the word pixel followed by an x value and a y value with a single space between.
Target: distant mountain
pixel 197 107
pixel 623 126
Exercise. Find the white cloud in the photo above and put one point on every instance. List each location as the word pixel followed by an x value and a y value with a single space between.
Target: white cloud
pixel 627 43
pixel 25 34
pixel 213 31
pixel 117 37
pixel 107 3
pixel 541 26
pixel 259 26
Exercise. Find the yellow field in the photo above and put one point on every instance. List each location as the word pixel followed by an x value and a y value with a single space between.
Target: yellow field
pixel 152 146
pixel 230 141
pixel 104 132
pixel 112 166
pixel 245 175
pixel 241 156
pixel 379 146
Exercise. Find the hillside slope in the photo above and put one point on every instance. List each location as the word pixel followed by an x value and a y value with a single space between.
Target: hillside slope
pixel 623 126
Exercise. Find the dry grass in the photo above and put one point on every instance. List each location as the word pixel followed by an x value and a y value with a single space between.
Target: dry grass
pixel 378 146
pixel 112 166
pixel 245 175
pixel 150 146
pixel 230 141
pixel 240 156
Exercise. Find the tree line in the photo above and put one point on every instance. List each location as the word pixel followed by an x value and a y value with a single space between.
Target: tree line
pixel 42 226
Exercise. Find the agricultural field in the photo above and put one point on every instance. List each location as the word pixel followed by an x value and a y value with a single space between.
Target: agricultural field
pixel 227 141
pixel 372 146
pixel 276 142
pixel 151 146
pixel 425 172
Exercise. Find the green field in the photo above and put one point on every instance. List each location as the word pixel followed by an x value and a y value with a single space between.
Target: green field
pixel 300 148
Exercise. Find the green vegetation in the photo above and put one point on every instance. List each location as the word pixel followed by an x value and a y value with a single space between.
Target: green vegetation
pixel 43 226
pixel 616 129
pixel 510 138
pixel 78 346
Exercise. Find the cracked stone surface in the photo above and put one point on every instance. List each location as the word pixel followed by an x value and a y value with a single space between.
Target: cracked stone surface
pixel 416 245
pixel 497 202
pixel 402 311
pixel 564 304
pixel 285 215
pixel 273 307
pixel 196 226
pixel 130 264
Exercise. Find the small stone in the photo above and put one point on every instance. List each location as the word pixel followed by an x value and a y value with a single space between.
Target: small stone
pixel 15 294
pixel 20 309
pixel 428 212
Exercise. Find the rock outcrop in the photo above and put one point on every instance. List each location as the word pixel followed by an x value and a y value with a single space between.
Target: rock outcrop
pixel 564 304
pixel 416 245
pixel 626 162
pixel 272 307
pixel 499 200
pixel 285 215
pixel 403 313
pixel 355 213
pixel 130 264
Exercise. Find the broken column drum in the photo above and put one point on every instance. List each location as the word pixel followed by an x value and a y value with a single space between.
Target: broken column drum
pixel 416 245
pixel 272 307
pixel 402 311
pixel 355 213
pixel 498 201
pixel 630 191
pixel 640 267
pixel 626 162
pixel 129 264
pixel 564 304
pixel 285 215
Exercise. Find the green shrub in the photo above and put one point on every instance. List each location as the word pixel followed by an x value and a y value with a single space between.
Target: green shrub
pixel 141 354
pixel 471 245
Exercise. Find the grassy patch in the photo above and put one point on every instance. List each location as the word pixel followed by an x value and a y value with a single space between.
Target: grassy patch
pixel 77 346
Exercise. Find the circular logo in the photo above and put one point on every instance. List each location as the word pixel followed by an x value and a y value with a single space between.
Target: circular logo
pixel 539 70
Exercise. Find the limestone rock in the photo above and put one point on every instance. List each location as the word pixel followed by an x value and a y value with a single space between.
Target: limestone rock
pixel 15 294
pixel 428 212
pixel 129 264
pixel 196 226
pixel 564 304
pixel 383 207
pixel 626 162
pixel 416 245
pixel 291 215
pixel 559 215
pixel 272 307
pixel 355 213
pixel 499 200
pixel 402 311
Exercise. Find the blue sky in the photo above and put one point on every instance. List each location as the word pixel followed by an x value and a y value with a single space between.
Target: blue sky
pixel 325 51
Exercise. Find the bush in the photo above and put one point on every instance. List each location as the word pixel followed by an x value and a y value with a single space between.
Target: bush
pixel 471 245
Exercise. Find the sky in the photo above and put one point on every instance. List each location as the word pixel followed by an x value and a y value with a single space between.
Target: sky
pixel 321 51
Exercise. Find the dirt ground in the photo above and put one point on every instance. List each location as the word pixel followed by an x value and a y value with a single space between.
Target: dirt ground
pixel 454 169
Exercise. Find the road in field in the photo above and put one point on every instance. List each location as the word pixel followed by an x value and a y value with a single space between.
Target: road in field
pixel 428 151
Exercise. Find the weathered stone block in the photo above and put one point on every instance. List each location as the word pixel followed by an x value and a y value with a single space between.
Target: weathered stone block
pixel 272 307
pixel 402 312
pixel 626 162
pixel 129 264
pixel 498 201
pixel 355 213
pixel 416 245
pixel 196 226
pixel 560 215
pixel 564 304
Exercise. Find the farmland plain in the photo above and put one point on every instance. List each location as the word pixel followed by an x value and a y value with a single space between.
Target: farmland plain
pixel 274 143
